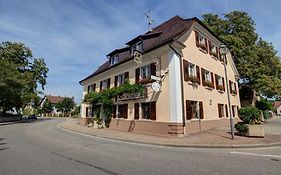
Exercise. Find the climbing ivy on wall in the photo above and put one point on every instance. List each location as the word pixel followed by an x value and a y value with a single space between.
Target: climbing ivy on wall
pixel 107 97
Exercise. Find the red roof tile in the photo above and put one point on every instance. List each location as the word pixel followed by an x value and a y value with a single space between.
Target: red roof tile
pixel 160 35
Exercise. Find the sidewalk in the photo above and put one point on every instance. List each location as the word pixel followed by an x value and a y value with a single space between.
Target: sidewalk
pixel 214 138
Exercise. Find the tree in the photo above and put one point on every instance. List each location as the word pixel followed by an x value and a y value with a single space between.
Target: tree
pixel 20 74
pixel 47 107
pixel 66 105
pixel 255 59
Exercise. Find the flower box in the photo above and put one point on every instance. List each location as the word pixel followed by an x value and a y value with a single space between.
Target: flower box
pixel 193 79
pixel 255 130
pixel 145 81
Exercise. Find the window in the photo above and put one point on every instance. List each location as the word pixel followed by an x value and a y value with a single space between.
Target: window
pixel 207 78
pixel 143 73
pixel 105 84
pixel 233 110
pixel 138 46
pixel 114 59
pixel 191 72
pixel 221 110
pixel 122 111
pixel 92 87
pixel 232 87
pixel 121 79
pixel 201 41
pixel 194 110
pixel 213 50
pixel 148 111
pixel 220 83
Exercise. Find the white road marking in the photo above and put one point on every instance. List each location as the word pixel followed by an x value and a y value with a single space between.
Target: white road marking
pixel 253 154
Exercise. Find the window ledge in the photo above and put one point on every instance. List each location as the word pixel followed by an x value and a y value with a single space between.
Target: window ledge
pixel 192 83
pixel 202 50
pixel 209 88
pixel 147 120
pixel 220 91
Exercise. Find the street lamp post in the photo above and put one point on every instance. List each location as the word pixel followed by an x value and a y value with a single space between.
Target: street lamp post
pixel 223 51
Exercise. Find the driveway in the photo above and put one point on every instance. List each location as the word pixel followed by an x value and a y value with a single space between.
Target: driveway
pixel 273 126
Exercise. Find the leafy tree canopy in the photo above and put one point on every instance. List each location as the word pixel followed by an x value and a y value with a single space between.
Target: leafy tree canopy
pixel 47 107
pixel 66 105
pixel 20 74
pixel 255 59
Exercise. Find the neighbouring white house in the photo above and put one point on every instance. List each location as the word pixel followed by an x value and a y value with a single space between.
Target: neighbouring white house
pixel 277 106
pixel 54 100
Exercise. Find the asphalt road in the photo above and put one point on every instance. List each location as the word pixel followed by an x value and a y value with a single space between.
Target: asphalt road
pixel 41 147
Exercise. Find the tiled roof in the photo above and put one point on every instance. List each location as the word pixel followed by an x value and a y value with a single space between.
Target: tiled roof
pixel 160 35
pixel 54 99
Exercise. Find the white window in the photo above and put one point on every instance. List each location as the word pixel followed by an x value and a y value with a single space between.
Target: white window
pixel 145 72
pixel 114 59
pixel 191 70
pixel 220 81
pixel 208 76
pixel 213 49
pixel 104 84
pixel 233 86
pixel 138 46
pixel 120 79
pixel 202 41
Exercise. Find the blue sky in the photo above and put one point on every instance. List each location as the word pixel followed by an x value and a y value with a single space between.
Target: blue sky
pixel 75 36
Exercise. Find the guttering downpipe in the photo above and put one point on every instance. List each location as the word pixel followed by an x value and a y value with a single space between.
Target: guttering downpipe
pixel 182 90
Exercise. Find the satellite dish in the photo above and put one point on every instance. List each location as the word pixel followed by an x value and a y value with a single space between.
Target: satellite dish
pixel 137 57
pixel 155 86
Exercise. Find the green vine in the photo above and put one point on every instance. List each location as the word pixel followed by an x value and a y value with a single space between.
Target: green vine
pixel 107 97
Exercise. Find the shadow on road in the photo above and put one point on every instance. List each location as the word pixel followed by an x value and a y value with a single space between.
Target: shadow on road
pixel 40 119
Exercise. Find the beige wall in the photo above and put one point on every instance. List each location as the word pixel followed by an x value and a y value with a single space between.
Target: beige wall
pixel 160 56
pixel 210 98
pixel 196 93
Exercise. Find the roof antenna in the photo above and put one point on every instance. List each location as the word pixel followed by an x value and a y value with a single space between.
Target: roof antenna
pixel 150 21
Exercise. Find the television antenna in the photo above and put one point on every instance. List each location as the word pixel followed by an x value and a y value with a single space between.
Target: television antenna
pixel 150 20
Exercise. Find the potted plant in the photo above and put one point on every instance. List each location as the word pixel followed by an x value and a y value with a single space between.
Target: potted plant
pixel 193 79
pixel 144 81
pixel 209 84
pixel 220 87
pixel 251 124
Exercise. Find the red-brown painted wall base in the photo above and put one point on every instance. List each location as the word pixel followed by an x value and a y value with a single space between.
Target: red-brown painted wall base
pixel 83 121
pixel 194 126
pixel 146 127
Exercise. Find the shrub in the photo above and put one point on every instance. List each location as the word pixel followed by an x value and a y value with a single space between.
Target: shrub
pixel 263 105
pixel 241 128
pixel 250 115
pixel 266 114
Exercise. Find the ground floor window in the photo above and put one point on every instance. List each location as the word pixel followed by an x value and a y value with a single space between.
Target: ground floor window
pixel 233 110
pixel 145 111
pixel 221 110
pixel 120 111
pixel 194 110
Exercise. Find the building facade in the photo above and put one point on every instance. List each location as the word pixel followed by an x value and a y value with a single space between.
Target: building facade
pixel 183 57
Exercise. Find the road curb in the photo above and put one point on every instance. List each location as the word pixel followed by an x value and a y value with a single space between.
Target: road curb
pixel 176 145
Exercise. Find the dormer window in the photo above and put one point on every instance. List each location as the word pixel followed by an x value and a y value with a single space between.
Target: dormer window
pixel 201 41
pixel 137 46
pixel 114 59
pixel 213 49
